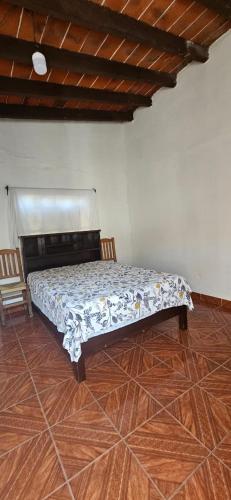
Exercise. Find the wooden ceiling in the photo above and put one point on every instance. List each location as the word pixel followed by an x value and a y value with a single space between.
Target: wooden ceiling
pixel 105 58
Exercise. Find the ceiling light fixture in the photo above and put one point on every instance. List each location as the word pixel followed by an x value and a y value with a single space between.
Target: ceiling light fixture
pixel 39 63
pixel 38 59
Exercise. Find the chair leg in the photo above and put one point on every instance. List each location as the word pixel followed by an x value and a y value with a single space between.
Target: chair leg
pixel 2 314
pixel 29 302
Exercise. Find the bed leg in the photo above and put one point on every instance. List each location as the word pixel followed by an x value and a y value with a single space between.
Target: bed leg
pixel 183 320
pixel 79 369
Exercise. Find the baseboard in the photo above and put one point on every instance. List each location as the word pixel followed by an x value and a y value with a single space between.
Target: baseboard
pixel 200 298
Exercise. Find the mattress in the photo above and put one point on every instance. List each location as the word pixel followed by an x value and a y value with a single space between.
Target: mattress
pixel 91 299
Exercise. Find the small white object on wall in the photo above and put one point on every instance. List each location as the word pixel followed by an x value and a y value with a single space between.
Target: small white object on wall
pixel 39 63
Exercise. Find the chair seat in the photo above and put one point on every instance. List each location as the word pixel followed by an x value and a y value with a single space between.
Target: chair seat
pixel 13 287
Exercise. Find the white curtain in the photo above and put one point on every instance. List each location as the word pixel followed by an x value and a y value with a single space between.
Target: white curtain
pixel 37 211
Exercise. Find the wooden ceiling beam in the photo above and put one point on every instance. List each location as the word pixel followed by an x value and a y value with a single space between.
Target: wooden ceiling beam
pixel 222 7
pixel 21 52
pixel 22 112
pixel 99 18
pixel 34 88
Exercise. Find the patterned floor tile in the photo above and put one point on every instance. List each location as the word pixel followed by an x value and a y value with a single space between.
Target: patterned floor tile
pixel 191 364
pixel 162 347
pixel 167 451
pixel 30 471
pixel 223 451
pixel 15 389
pixel 129 406
pixel 20 423
pixel 83 437
pixel 44 355
pixel 165 326
pixel 228 364
pixel 120 347
pixel 95 359
pixel 218 354
pixel 149 334
pixel 104 378
pixel 212 481
pixel 63 400
pixel 35 341
pixel 115 476
pixel 7 335
pixel 164 383
pixel 136 361
pixel 54 373
pixel 11 360
pixel 218 384
pixel 62 493
pixel 203 415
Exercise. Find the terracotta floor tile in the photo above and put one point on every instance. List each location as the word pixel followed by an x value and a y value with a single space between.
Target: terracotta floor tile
pixel 52 374
pixel 62 493
pixel 104 378
pixel 120 347
pixel 15 389
pixel 136 361
pixel 63 400
pixel 35 341
pixel 223 451
pixel 167 451
pixel 20 423
pixel 164 383
pixel 203 415
pixel 162 347
pixel 212 481
pixel 129 406
pixel 218 384
pixel 95 359
pixel 191 364
pixel 115 476
pixel 11 360
pixel 31 471
pixel 83 437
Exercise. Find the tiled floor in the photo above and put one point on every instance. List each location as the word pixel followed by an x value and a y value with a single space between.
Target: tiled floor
pixel 152 421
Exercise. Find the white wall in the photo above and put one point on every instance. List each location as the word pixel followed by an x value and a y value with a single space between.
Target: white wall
pixel 179 176
pixel 52 154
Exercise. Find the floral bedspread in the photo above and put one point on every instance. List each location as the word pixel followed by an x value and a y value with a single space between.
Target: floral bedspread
pixel 97 297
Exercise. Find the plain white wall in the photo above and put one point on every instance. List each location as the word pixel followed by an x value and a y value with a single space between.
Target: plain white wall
pixel 179 176
pixel 71 155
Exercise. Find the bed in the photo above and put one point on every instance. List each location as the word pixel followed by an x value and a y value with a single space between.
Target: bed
pixel 93 303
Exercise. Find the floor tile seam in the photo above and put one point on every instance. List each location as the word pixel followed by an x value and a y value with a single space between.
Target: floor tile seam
pixel 60 422
pixel 73 476
pixel 55 491
pixel 109 392
pixel 222 461
pixel 48 428
pixel 220 401
pixel 187 479
pixel 123 439
pixel 148 369
pixel 23 442
pixel 111 357
pixel 218 446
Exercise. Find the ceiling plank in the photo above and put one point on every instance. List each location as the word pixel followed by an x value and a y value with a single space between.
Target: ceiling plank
pixel 222 7
pixel 99 18
pixel 31 88
pixel 22 112
pixel 21 52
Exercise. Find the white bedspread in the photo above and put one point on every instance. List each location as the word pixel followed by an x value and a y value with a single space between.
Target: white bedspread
pixel 94 298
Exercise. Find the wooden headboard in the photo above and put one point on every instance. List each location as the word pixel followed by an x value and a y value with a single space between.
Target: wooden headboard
pixel 45 251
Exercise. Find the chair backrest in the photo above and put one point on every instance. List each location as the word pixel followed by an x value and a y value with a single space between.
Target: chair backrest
pixel 107 247
pixel 10 264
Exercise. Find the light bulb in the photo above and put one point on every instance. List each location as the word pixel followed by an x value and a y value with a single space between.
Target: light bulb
pixel 39 63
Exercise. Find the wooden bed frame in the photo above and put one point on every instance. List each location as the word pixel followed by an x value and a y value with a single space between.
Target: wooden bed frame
pixel 47 251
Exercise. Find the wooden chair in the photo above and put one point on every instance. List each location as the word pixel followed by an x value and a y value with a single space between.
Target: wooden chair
pixel 107 249
pixel 11 267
